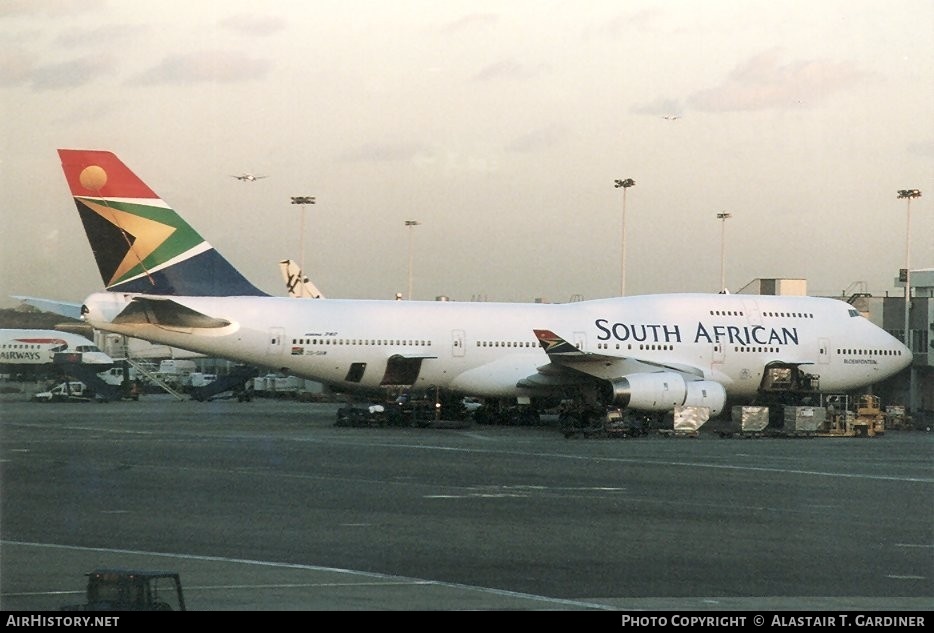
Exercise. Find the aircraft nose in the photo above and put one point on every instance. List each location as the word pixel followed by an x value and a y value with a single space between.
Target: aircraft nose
pixel 906 355
pixel 903 353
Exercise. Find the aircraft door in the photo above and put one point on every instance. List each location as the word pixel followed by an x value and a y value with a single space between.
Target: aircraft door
pixel 823 354
pixel 401 371
pixel 276 339
pixel 580 340
pixel 457 343
pixel 751 308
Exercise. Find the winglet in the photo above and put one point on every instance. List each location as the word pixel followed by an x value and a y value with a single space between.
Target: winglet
pixel 554 345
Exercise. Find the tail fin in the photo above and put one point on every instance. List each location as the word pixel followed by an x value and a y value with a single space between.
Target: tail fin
pixel 139 242
pixel 297 283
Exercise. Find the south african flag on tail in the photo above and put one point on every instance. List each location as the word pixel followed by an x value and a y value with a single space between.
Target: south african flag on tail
pixel 139 242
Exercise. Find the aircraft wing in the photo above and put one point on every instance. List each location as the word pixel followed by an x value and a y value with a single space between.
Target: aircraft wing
pixel 565 357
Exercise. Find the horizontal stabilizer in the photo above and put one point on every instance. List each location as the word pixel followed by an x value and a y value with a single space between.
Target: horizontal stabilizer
pixel 167 313
pixel 63 308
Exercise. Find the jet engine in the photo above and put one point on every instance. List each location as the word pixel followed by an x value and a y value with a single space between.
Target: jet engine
pixel 663 391
pixel 706 393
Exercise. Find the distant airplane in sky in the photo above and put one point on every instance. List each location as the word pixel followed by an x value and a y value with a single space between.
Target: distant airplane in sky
pixel 672 117
pixel 649 353
pixel 248 177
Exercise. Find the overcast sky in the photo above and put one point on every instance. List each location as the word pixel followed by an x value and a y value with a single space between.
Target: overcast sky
pixel 500 126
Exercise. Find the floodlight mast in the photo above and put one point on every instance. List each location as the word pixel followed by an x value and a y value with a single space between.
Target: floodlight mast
pixel 411 224
pixel 723 217
pixel 624 184
pixel 908 194
pixel 303 201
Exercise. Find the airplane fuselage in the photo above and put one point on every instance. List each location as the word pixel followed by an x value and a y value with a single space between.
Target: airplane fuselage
pixel 20 347
pixel 488 349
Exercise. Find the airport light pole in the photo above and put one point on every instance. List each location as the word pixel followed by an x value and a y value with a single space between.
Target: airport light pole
pixel 411 224
pixel 303 201
pixel 908 194
pixel 723 217
pixel 624 184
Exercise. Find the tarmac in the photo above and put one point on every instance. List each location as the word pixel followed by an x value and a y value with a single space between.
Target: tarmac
pixel 268 506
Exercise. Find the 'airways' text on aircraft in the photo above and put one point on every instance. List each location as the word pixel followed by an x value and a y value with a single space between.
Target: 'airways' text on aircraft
pixel 662 333
pixel 28 356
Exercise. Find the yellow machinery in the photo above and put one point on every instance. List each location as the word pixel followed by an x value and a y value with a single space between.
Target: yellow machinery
pixel 867 420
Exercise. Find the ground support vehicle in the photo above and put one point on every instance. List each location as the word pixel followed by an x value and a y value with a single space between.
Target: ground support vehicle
pixel 866 419
pixel 615 422
pixel 132 590
pixel 68 391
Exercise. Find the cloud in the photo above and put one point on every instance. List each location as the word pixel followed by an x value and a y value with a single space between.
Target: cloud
pixel 70 74
pixel 762 83
pixel 386 152
pixel 469 23
pixel 16 67
pixel 89 110
pixel 922 148
pixel 251 24
pixel 659 107
pixel 54 8
pixel 205 66
pixel 509 70
pixel 538 140
pixel 110 36
pixel 619 25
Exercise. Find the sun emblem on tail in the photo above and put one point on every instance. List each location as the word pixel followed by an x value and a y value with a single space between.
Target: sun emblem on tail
pixel 93 178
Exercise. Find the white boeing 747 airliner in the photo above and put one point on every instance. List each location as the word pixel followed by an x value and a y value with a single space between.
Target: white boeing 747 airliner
pixel 165 283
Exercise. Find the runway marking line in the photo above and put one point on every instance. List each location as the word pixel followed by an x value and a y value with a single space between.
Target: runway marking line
pixel 655 462
pixel 458 449
pixel 389 579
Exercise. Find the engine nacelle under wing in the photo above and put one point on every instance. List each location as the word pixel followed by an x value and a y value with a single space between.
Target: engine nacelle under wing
pixel 706 393
pixel 663 391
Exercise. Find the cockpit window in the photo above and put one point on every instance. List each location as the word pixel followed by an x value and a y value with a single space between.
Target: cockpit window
pixel 854 313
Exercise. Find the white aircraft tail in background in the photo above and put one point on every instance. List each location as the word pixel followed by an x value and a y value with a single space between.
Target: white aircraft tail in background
pixel 297 284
